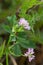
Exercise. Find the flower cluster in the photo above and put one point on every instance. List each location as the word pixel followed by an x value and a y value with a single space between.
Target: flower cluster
pixel 24 23
pixel 29 54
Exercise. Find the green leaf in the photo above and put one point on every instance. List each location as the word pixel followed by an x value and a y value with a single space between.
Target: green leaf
pixel 12 19
pixel 2 49
pixel 15 50
pixel 12 37
pixel 6 28
pixel 26 43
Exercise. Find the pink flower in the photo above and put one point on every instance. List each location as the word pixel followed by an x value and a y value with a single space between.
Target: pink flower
pixel 29 54
pixel 24 23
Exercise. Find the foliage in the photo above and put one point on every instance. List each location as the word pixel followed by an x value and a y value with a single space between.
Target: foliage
pixel 18 37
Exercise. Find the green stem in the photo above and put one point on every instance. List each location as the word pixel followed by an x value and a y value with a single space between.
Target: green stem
pixel 10 35
pixel 7 59
pixel 8 45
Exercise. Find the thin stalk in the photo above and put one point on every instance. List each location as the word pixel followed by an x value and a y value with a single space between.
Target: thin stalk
pixel 10 35
pixel 7 59
pixel 13 60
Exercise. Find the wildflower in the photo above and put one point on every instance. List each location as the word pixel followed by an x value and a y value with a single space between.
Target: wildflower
pixel 29 54
pixel 24 23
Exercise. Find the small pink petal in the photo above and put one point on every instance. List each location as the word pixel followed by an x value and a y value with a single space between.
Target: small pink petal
pixel 31 50
pixel 24 23
pixel 27 27
pixel 31 58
